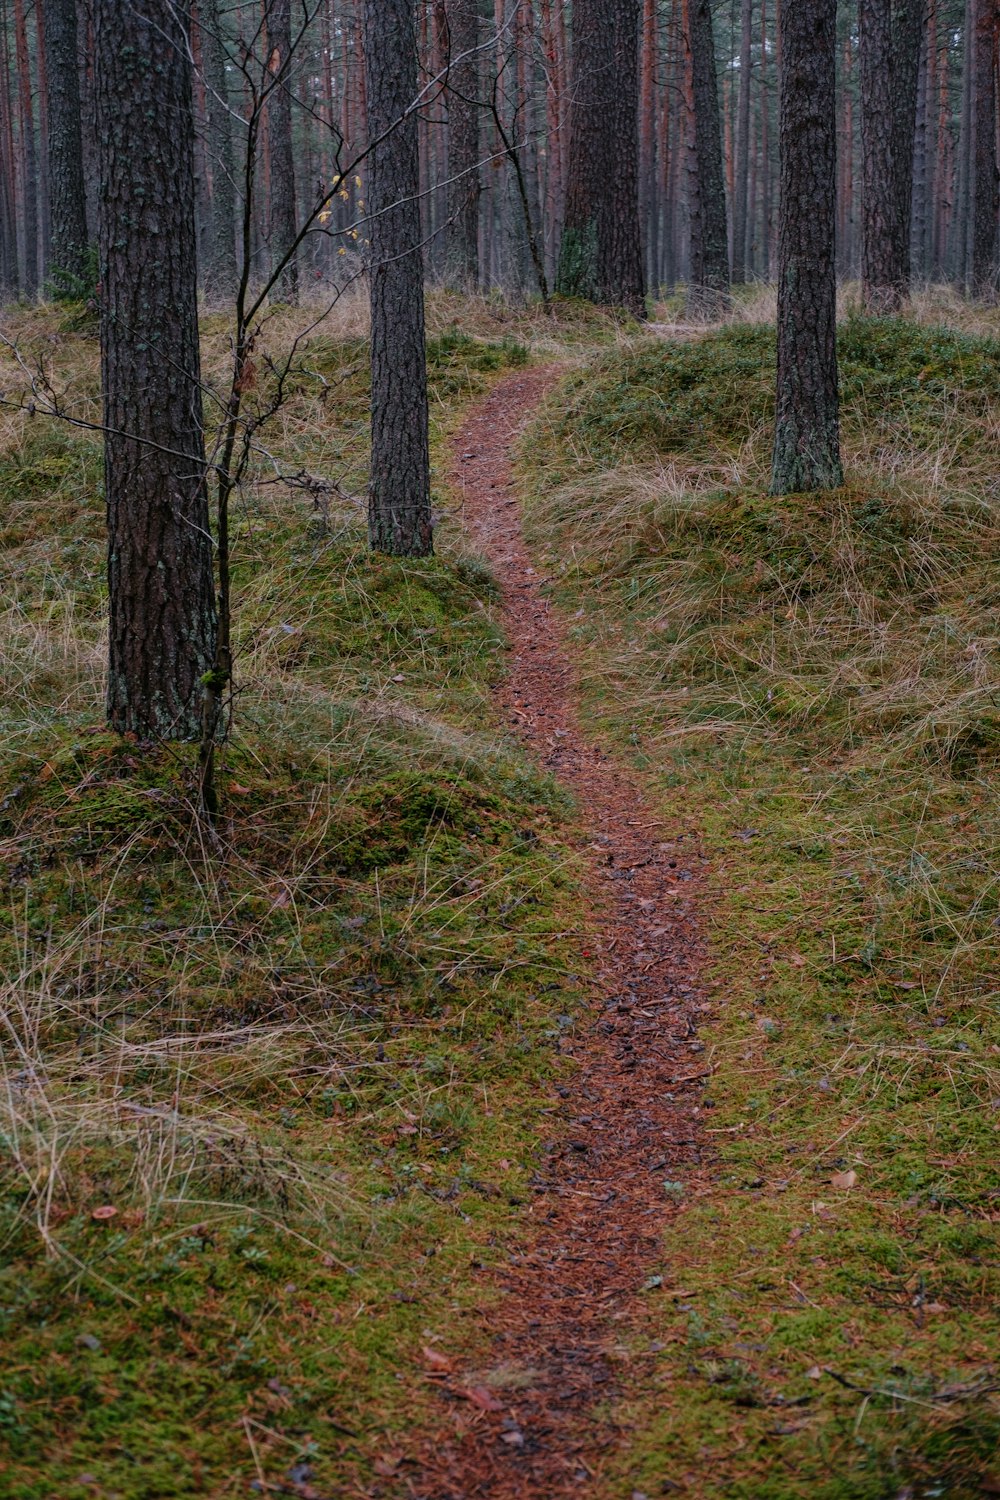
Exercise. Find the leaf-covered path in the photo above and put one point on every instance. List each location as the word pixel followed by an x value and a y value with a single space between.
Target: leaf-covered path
pixel 540 1419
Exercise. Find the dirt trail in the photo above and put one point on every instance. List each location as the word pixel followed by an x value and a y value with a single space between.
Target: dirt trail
pixel 629 1120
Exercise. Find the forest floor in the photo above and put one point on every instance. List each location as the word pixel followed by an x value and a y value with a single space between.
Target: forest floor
pixel 579 1072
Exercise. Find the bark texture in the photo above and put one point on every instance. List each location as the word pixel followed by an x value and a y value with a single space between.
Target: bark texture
pixel 160 584
pixel 67 193
pixel 463 142
pixel 279 112
pixel 742 171
pixel 984 168
pixel 399 506
pixel 220 270
pixel 709 289
pixel 889 56
pixel 29 165
pixel 600 254
pixel 806 432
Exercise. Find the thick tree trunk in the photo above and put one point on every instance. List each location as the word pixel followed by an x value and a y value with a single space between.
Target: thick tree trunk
pixel 160 584
pixel 600 256
pixel 806 432
pixel 399 507
pixel 984 172
pixel 709 292
pixel 742 147
pixel 282 229
pixel 462 240
pixel 67 193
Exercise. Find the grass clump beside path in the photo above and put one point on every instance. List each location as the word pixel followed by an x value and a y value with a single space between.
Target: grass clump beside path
pixel 263 1112
pixel 814 682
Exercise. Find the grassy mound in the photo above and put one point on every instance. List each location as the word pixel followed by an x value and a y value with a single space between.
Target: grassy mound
pixel 251 1149
pixel 815 682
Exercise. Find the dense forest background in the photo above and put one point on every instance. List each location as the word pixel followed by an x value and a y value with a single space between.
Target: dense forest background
pixel 494 138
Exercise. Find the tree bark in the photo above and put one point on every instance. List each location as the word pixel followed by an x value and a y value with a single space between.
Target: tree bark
pixel 282 229
pixel 742 147
pixel 462 240
pixel 67 193
pixel 220 273
pixel 160 584
pixel 984 171
pixel 29 165
pixel 709 291
pixel 399 507
pixel 600 256
pixel 806 432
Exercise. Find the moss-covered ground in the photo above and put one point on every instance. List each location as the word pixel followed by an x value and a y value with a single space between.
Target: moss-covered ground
pixel 266 1108
pixel 813 683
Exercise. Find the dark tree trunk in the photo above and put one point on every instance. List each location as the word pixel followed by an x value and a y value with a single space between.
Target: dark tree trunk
pixel 67 193
pixel 907 29
pixel 600 256
pixel 462 240
pixel 279 115
pixel 742 147
pixel 399 506
pixel 9 269
pixel 220 273
pixel 160 584
pixel 806 431
pixel 984 170
pixel 29 166
pixel 709 291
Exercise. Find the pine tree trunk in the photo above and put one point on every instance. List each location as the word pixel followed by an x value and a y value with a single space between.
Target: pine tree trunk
pixel 29 166
pixel 160 585
pixel 600 256
pixel 399 508
pixel 709 290
pixel 67 194
pixel 742 147
pixel 279 114
pixel 220 272
pixel 647 142
pixel 9 267
pixel 881 271
pixel 806 431
pixel 963 194
pixel 984 177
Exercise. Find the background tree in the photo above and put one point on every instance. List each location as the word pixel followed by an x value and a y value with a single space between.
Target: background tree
pixel 67 194
pixel 160 584
pixel 600 256
pixel 462 95
pixel 709 286
pixel 399 504
pixel 889 53
pixel 984 173
pixel 282 157
pixel 806 430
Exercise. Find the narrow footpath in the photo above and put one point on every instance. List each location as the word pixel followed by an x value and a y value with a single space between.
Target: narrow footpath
pixel 626 1119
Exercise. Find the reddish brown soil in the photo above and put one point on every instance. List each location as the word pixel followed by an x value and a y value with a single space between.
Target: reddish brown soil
pixel 629 1119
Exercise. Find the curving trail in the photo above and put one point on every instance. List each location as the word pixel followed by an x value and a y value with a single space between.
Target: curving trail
pixel 629 1119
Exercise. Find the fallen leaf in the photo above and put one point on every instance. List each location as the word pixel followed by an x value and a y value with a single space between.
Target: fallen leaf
pixel 437 1363
pixel 843 1179
pixel 814 1373
pixel 482 1397
pixel 238 790
pixel 106 1211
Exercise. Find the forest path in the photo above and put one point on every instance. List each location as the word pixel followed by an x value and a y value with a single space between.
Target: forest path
pixel 625 1120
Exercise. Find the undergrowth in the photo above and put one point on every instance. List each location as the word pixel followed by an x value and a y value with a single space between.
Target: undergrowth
pixel 813 682
pixel 264 1109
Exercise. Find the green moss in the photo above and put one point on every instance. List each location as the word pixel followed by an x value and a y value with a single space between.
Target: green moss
pixel 810 686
